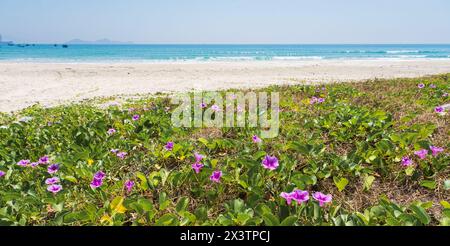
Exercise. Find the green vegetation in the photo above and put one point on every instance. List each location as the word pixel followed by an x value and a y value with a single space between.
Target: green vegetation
pixel 352 146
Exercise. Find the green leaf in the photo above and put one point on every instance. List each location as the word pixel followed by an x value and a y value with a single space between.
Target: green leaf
pixel 368 181
pixel 421 214
pixel 430 184
pixel 289 221
pixel 182 204
pixel 163 201
pixel 445 204
pixel 270 219
pixel 447 184
pixel 340 183
pixel 144 183
pixel 167 220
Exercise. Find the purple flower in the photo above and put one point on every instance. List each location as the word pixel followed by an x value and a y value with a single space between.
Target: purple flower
pixel 406 161
pixel 129 185
pixel 114 151
pixel 300 196
pixel 445 95
pixel 433 86
pixel 421 86
pixel 203 105
pixel 436 150
pixel 23 163
pixel 99 175
pixel 44 160
pixel 256 139
pixel 287 197
pixel 313 100
pixel 2 174
pixel 197 167
pixel 320 100
pixel 51 181
pixel 54 188
pixel 198 157
pixel 34 164
pixel 270 162
pixel 95 183
pixel 215 108
pixel 322 198
pixel 53 168
pixel 422 154
pixel 215 177
pixel 136 117
pixel 131 110
pixel 439 109
pixel 169 146
pixel 111 131
pixel 121 155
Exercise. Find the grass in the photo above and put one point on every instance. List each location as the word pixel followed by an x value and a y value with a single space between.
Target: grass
pixel 350 146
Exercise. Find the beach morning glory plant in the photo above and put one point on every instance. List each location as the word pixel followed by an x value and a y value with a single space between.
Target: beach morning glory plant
pixel 270 162
pixel 322 198
pixel 215 177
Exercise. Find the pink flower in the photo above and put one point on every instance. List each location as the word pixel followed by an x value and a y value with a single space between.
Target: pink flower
pixel 287 197
pixel 34 164
pixel 215 177
pixel 215 108
pixel 197 167
pixel 433 86
pixel 297 195
pixel 169 146
pixel 313 100
pixel 95 183
pixel 406 161
pixel 121 155
pixel 320 100
pixel 111 131
pixel 53 168
pixel 422 154
pixel 23 163
pixel 114 151
pixel 54 188
pixel 198 157
pixel 436 150
pixel 99 175
pixel 270 162
pixel 322 198
pixel 256 139
pixel 439 109
pixel 421 86
pixel 51 181
pixel 136 117
pixel 44 160
pixel 2 174
pixel 300 196
pixel 445 95
pixel 203 105
pixel 129 185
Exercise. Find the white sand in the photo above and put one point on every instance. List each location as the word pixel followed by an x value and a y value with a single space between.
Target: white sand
pixel 23 84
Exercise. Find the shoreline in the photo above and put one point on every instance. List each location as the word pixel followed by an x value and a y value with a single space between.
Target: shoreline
pixel 23 84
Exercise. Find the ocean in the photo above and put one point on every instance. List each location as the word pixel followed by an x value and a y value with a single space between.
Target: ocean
pixel 143 53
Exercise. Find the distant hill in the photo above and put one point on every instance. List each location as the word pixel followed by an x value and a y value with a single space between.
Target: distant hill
pixel 100 41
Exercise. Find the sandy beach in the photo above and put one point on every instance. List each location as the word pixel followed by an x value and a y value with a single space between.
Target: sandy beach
pixel 23 83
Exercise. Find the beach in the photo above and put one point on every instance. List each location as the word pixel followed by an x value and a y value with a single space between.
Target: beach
pixel 23 84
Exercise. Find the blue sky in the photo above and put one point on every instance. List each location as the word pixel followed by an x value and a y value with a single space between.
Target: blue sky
pixel 227 21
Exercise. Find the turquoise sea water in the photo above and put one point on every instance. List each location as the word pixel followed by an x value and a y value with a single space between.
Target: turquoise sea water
pixel 118 53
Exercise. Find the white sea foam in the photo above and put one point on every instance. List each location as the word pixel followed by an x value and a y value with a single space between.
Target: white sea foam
pixel 401 51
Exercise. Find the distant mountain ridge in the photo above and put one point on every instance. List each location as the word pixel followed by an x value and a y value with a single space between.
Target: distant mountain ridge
pixel 100 41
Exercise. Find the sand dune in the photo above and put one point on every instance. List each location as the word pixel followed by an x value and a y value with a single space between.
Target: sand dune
pixel 23 84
